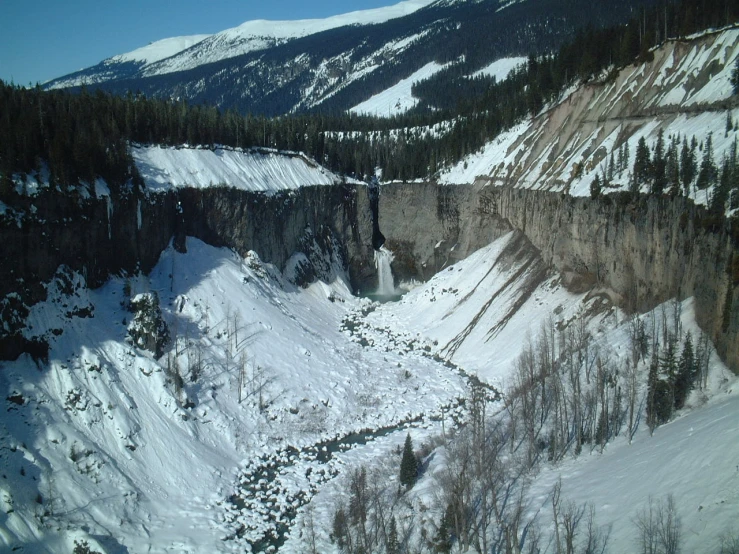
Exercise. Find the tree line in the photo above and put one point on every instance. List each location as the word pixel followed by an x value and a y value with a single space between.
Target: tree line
pixel 672 167
pixel 84 136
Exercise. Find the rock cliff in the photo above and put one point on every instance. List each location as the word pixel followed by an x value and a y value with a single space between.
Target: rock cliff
pixel 641 252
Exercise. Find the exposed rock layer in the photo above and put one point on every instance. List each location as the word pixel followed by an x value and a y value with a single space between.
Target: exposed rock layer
pixel 641 253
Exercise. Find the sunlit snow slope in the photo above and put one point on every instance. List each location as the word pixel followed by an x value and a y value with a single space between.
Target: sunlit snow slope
pixel 164 168
pixel 101 443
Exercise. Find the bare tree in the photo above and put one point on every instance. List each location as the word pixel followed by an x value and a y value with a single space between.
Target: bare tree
pixel 658 526
pixel 668 526
pixel 729 543
pixel 596 540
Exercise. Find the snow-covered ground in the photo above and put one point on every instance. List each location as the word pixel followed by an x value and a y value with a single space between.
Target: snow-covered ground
pixel 501 68
pixel 101 445
pixel 163 168
pixel 159 49
pixel 397 99
pixel 694 458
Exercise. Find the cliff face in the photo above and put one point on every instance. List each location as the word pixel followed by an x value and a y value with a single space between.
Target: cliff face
pixel 644 253
pixel 274 225
pixel 640 253
pixel 105 236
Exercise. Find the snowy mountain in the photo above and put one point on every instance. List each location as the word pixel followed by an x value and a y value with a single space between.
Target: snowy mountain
pixel 340 62
pixel 175 54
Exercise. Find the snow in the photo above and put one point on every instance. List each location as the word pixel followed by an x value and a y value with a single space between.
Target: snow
pixel 482 310
pixel 694 458
pixel 159 49
pixel 163 168
pixel 397 99
pixel 501 68
pixel 119 455
pixel 100 445
pixel 109 440
pixel 259 34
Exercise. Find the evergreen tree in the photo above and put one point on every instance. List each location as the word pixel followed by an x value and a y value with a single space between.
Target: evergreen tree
pixel 659 388
pixel 735 76
pixel 686 373
pixel 595 187
pixel 444 539
pixel 611 168
pixel 408 464
pixel 721 192
pixel 708 173
pixel 340 529
pixel 642 165
pixel 658 180
pixel 687 166
pixel 393 544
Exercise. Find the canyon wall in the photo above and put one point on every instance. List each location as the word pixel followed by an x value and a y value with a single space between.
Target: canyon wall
pixel 100 237
pixel 640 252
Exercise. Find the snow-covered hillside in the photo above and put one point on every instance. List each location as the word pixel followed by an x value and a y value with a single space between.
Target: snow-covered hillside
pixel 110 445
pixel 163 168
pixel 103 443
pixel 182 53
pixel 501 68
pixel 397 99
pixel 692 458
pixel 260 34
pixel 683 93
pixel 159 50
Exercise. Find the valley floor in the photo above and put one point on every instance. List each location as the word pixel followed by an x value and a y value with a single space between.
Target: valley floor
pixel 286 390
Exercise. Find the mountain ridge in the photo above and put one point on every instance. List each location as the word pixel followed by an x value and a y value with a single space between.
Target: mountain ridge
pixel 339 67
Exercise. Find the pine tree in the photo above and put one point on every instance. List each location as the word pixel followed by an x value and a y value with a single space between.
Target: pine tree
pixel 735 77
pixel 443 540
pixel 595 187
pixel 408 464
pixel 708 173
pixel 672 170
pixel 611 167
pixel 686 373
pixel 687 166
pixel 658 167
pixel 393 544
pixel 642 165
pixel 721 192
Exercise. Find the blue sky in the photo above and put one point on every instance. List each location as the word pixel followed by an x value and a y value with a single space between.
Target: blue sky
pixel 43 39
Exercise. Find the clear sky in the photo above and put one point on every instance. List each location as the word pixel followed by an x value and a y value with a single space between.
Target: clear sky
pixel 44 39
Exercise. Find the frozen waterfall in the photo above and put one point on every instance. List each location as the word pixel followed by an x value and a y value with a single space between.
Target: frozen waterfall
pixel 385 282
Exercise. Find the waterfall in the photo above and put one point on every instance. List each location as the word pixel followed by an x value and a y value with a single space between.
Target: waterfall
pixel 385 282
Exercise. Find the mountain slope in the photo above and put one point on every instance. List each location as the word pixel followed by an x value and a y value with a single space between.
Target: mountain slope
pixel 683 92
pixel 177 54
pixel 335 64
